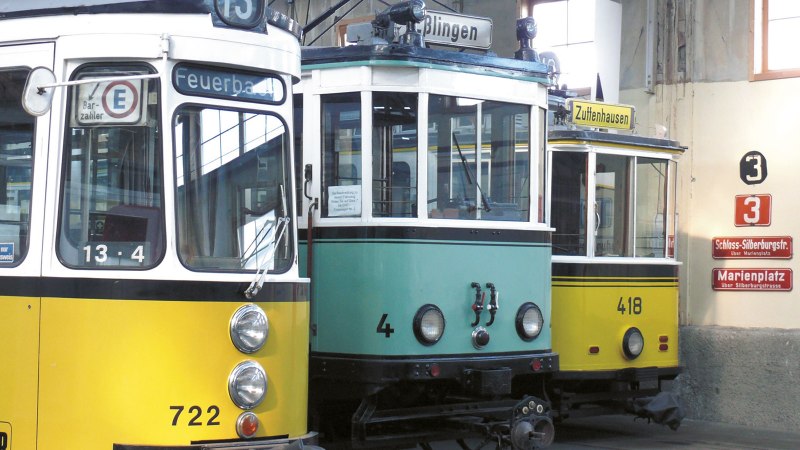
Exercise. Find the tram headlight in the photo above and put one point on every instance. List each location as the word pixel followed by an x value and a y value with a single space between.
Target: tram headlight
pixel 247 385
pixel 529 321
pixel 632 343
pixel 249 328
pixel 429 324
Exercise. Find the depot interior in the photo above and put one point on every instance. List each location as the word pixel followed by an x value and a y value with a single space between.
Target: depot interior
pixel 717 76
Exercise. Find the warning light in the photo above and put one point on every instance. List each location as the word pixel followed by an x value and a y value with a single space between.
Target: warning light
pixel 536 365
pixel 247 425
pixel 434 370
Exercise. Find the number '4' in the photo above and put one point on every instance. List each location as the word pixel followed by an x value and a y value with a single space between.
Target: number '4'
pixel 385 327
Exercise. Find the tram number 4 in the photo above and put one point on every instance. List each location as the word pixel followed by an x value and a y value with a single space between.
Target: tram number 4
pixel 385 327
pixel 634 305
pixel 195 413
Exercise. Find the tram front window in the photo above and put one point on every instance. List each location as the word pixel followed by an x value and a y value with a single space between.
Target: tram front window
pixel 490 184
pixel 341 155
pixel 651 207
pixel 111 209
pixel 394 155
pixel 233 197
pixel 16 161
pixel 568 203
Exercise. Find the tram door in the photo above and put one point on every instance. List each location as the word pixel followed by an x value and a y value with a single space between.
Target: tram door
pixel 23 140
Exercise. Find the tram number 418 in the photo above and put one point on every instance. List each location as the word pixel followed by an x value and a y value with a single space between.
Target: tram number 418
pixel 630 306
pixel 3 440
pixel 195 414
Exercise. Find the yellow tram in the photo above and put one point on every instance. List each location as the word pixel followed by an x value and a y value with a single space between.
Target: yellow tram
pixel 149 289
pixel 615 275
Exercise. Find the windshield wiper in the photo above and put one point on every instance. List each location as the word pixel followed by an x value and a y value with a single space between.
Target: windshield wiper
pixel 471 177
pixel 276 230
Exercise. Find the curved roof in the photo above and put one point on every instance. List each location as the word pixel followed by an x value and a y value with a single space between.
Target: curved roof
pixel 385 54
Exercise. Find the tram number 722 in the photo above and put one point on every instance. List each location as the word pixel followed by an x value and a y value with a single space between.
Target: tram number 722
pixel 634 305
pixel 196 412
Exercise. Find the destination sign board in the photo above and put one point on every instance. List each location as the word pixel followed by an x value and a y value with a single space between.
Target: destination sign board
pixel 601 115
pixel 751 279
pixel 456 30
pixel 765 247
pixel 228 84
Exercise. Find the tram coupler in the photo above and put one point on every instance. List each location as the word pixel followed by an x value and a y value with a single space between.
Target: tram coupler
pixel 532 426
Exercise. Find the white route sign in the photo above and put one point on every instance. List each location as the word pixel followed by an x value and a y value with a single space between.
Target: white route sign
pixel 109 102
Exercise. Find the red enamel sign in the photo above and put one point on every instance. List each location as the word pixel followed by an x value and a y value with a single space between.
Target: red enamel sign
pixel 764 247
pixel 753 210
pixel 751 279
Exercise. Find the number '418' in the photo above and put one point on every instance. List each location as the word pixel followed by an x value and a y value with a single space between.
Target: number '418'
pixel 631 305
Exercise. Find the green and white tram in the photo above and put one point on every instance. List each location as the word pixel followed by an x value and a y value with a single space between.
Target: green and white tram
pixel 425 240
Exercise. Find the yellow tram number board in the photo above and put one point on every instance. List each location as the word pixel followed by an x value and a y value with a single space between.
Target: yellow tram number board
pixel 600 115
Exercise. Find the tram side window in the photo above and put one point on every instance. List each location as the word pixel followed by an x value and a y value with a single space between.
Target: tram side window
pixel 232 190
pixel 568 203
pixel 16 162
pixel 394 155
pixel 111 208
pixel 487 183
pixel 341 155
pixel 651 207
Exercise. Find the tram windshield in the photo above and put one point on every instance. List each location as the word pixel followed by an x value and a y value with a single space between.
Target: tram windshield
pixel 631 214
pixel 478 159
pixel 16 161
pixel 232 177
pixel 111 210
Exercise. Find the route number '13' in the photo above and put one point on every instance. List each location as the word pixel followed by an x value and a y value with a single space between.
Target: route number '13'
pixel 753 210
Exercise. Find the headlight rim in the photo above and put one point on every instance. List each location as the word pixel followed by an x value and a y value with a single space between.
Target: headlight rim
pixel 626 340
pixel 241 367
pixel 417 324
pixel 518 321
pixel 234 322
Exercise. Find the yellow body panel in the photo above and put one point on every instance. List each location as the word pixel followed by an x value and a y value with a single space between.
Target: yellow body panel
pixel 116 371
pixel 587 313
pixel 19 346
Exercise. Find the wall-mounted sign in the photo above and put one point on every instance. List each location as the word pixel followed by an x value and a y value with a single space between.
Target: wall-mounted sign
pixel 751 279
pixel 228 84
pixel 753 210
pixel 456 30
pixel 765 247
pixel 601 115
pixel 753 168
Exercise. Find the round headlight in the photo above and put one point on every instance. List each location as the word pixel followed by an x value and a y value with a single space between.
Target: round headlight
pixel 529 321
pixel 632 343
pixel 247 385
pixel 249 328
pixel 429 324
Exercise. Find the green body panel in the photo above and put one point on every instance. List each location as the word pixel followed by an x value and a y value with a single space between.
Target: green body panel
pixel 356 282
